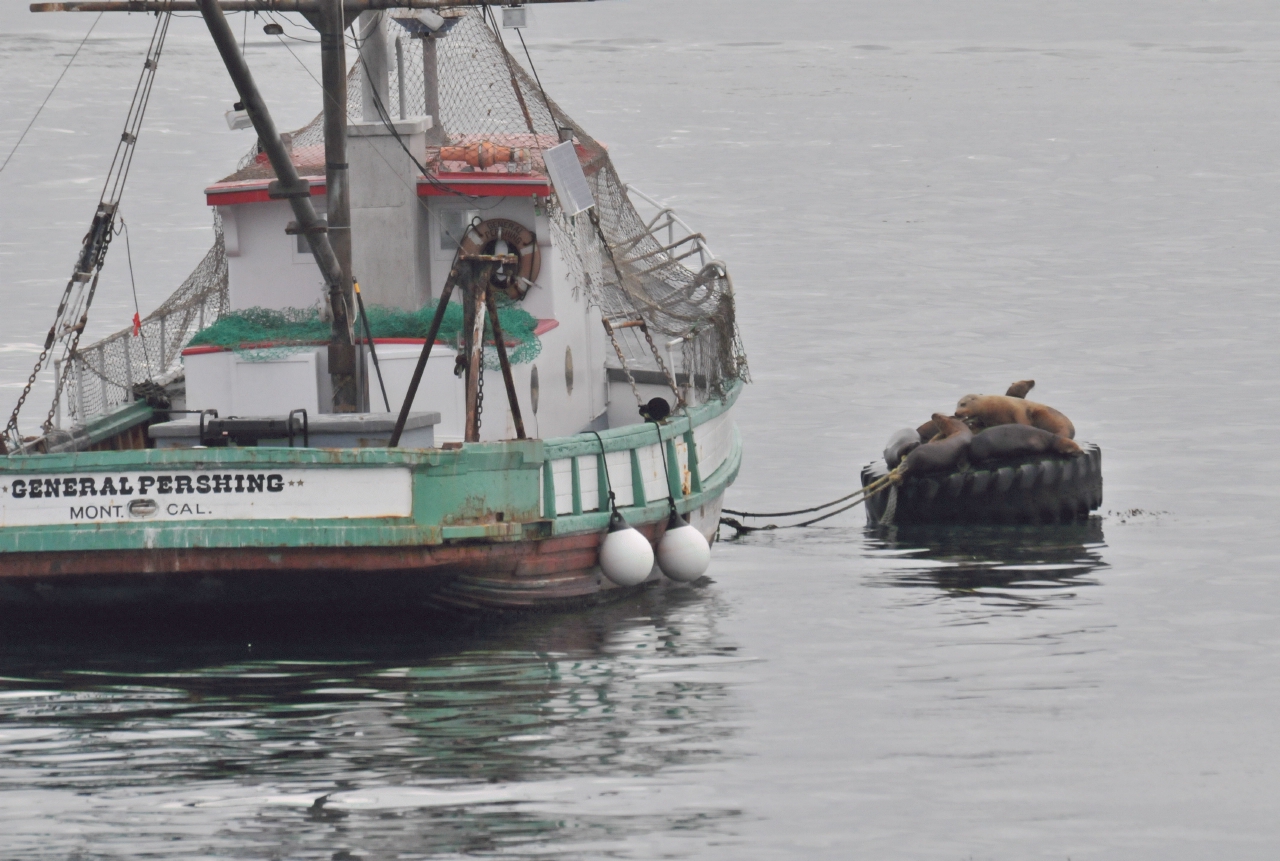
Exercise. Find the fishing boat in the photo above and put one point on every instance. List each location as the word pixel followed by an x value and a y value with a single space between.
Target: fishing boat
pixel 439 355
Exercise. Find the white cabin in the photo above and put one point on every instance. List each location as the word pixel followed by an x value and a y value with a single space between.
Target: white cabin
pixel 405 231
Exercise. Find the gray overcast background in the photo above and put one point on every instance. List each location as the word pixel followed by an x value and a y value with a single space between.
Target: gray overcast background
pixel 917 200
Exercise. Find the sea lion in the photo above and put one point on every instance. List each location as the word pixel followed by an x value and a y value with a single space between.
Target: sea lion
pixel 993 410
pixel 949 426
pixel 1020 389
pixel 1012 440
pixel 942 455
pixel 927 431
pixel 900 445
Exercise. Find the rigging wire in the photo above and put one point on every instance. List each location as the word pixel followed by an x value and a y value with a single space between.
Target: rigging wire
pixel 534 69
pixel 73 309
pixel 384 117
pixel 137 310
pixel 66 69
pixel 290 22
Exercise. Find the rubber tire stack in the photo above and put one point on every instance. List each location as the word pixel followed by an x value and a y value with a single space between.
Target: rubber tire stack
pixel 1041 489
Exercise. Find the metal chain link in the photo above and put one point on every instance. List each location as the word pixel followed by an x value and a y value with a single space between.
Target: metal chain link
pixel 94 246
pixel 626 370
pixel 662 366
pixel 71 350
pixel 480 387
pixel 11 429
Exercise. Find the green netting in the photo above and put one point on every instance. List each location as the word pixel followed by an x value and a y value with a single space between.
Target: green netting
pixel 261 334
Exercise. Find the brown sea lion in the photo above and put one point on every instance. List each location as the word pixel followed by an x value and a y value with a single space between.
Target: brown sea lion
pixel 993 410
pixel 941 455
pixel 949 426
pixel 1013 440
pixel 1020 389
pixel 930 431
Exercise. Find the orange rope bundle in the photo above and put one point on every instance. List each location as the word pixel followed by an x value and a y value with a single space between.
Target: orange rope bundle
pixel 483 154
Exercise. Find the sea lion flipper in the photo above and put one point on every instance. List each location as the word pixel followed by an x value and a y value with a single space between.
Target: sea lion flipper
pixel 1020 389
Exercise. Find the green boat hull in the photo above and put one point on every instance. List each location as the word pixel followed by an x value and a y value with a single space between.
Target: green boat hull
pixel 506 525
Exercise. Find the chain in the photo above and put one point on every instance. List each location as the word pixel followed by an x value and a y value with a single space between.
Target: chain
pixel 93 248
pixel 662 366
pixel 71 353
pixel 479 386
pixel 644 327
pixel 626 370
pixel 11 429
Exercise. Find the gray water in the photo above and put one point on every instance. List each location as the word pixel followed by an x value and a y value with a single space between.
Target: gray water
pixel 918 200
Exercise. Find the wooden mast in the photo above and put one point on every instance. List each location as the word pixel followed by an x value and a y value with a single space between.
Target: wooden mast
pixel 331 23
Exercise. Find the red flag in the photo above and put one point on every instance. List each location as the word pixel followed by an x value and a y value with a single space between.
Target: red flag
pixel 137 325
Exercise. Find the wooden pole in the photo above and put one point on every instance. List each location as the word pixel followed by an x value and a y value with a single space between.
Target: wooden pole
pixel 288 184
pixel 431 90
pixel 333 69
pixel 501 344
pixel 416 380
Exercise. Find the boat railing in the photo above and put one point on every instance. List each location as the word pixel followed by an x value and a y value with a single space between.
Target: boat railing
pixel 642 465
pixel 677 240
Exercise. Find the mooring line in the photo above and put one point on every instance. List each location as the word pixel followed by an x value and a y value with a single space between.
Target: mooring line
pixel 875 487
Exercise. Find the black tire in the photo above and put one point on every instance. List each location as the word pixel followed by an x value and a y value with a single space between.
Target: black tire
pixel 1039 489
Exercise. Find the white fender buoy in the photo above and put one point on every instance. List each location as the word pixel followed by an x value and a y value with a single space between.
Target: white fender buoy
pixel 626 556
pixel 683 552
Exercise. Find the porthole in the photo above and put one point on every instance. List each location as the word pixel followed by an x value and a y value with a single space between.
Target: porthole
pixel 568 369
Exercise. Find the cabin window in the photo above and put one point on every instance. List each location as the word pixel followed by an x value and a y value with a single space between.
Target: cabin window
pixel 453 224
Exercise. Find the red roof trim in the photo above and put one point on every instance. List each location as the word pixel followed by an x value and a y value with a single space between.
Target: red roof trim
pixel 486 185
pixel 233 193
pixel 474 184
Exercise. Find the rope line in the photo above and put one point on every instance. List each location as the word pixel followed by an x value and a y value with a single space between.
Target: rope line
pixel 23 136
pixel 825 505
pixel 666 471
pixel 604 464
pixel 124 228
pixel 879 485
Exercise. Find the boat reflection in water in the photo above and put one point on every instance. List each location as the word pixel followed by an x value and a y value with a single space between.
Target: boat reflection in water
pixel 1025 565
pixel 550 731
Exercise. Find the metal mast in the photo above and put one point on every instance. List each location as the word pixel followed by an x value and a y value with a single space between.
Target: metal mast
pixel 329 255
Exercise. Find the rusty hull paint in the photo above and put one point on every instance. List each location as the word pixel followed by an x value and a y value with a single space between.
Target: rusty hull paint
pixel 509 576
pixel 490 550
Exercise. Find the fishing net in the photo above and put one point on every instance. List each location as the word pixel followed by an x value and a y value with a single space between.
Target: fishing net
pixel 628 267
pixel 265 333
pixel 132 364
pixel 623 261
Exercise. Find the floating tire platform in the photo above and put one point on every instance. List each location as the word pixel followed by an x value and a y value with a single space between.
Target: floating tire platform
pixel 1038 489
